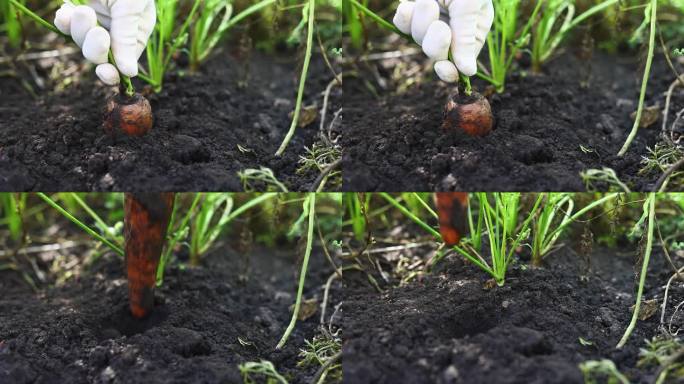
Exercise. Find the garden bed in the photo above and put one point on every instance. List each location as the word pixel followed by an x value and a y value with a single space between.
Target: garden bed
pixel 208 127
pixel 548 128
pixel 209 319
pixel 446 327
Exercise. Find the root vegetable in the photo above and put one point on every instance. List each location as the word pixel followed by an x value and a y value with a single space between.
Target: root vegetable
pixel 147 216
pixel 471 114
pixel 131 116
pixel 452 209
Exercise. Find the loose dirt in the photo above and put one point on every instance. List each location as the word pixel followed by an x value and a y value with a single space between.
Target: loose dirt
pixel 230 117
pixel 207 320
pixel 448 328
pixel 548 128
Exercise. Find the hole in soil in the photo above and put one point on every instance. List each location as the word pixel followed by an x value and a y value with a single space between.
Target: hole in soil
pixel 536 156
pixel 123 323
pixel 468 322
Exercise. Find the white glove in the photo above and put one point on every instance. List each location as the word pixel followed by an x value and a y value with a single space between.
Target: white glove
pixel 438 25
pixel 127 24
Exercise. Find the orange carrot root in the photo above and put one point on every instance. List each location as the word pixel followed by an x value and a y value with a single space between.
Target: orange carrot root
pixel 130 116
pixel 470 114
pixel 452 208
pixel 147 216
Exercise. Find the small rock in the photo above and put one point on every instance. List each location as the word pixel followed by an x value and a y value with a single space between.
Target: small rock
pixel 106 182
pixel 108 375
pixel 450 183
pixel 129 356
pixel 450 375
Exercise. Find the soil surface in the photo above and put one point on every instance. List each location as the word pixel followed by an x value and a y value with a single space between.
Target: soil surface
pixel 231 116
pixel 207 320
pixel 448 328
pixel 548 128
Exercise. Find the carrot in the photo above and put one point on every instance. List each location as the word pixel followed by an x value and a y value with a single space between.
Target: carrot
pixel 128 115
pixel 470 114
pixel 452 208
pixel 147 216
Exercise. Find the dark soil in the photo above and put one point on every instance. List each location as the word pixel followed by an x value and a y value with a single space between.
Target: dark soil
pixel 57 142
pixel 542 124
pixel 82 332
pixel 448 328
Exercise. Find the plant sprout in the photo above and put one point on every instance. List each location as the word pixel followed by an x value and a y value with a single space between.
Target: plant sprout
pixel 115 248
pixel 650 15
pixel 205 230
pixel 503 234
pixel 544 235
pixel 500 222
pixel 308 15
pixel 10 23
pixel 505 40
pixel 309 210
pixel 213 21
pixel 592 370
pixel 162 46
pixel 649 213
pixel 264 368
pixel 547 35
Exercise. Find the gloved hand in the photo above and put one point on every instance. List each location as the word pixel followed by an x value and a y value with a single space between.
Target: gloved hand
pixel 438 25
pixel 127 24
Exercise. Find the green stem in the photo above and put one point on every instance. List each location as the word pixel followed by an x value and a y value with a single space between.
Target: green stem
pixel 255 201
pixel 468 89
pixel 37 18
pixel 590 12
pixel 411 216
pixel 644 81
pixel 182 31
pixel 426 205
pixel 84 227
pixel 582 212
pixel 130 91
pixel 245 13
pixel 302 80
pixel 175 239
pixel 379 20
pixel 302 274
pixel 92 214
pixel 148 80
pixel 644 269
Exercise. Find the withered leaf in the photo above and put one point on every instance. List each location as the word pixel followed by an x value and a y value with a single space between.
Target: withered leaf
pixel 648 116
pixel 307 115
